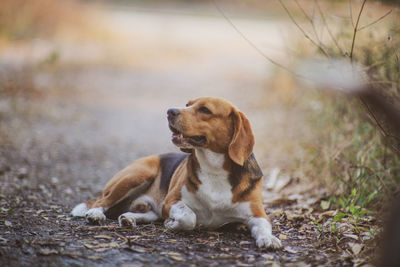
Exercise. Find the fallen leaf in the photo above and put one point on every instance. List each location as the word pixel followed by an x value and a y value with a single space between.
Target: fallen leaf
pixel 325 204
pixel 282 236
pixel 176 258
pixel 290 250
pixel 102 245
pixel 267 256
pixel 278 212
pixel 356 248
pixel 95 258
pixel 3 241
pixel 171 253
pixel 8 223
pixel 272 178
pixel 47 251
pixel 244 243
pixel 89 246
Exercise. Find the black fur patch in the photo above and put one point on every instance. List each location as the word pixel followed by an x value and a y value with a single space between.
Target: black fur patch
pixel 169 163
pixel 250 169
pixel 252 184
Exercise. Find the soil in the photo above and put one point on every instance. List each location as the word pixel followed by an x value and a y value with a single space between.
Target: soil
pixel 86 122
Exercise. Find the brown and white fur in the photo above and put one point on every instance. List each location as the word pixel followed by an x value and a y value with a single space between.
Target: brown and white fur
pixel 217 181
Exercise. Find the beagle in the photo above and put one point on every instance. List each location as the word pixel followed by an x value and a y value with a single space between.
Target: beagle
pixel 216 181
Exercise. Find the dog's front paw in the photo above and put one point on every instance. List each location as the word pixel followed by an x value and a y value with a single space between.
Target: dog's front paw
pixel 127 219
pixel 95 216
pixel 171 224
pixel 269 241
pixel 184 224
pixel 181 218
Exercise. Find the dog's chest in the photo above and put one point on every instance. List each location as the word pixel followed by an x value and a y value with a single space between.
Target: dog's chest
pixel 212 201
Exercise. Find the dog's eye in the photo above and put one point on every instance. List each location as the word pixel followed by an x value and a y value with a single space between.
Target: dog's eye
pixel 205 110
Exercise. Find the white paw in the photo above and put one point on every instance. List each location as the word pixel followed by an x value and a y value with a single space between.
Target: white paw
pixel 127 219
pixel 171 224
pixel 181 217
pixel 79 210
pixel 95 216
pixel 269 241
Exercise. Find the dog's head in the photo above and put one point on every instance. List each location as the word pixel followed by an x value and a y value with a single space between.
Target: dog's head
pixel 212 123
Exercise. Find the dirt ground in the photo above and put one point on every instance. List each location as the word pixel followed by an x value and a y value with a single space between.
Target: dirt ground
pixel 92 117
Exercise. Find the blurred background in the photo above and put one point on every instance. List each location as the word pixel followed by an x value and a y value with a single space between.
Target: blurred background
pixel 85 85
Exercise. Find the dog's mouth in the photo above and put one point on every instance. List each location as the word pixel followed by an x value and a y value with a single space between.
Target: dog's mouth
pixel 181 140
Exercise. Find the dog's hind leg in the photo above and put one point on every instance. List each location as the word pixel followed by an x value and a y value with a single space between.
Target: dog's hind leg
pixel 131 182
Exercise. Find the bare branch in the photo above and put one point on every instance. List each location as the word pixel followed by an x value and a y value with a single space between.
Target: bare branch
pixel 311 22
pixel 252 44
pixel 351 14
pixel 302 30
pixel 327 27
pixel 376 21
pixel 356 30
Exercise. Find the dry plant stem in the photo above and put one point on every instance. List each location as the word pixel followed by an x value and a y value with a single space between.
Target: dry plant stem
pixel 374 173
pixel 252 44
pixel 302 30
pixel 380 126
pixel 311 22
pixel 356 30
pixel 327 28
pixel 351 14
pixel 376 21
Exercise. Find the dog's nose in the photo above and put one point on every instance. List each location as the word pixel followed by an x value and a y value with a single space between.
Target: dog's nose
pixel 173 112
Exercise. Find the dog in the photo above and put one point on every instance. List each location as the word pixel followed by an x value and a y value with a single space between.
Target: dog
pixel 215 182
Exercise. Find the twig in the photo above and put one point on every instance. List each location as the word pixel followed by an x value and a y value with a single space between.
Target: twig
pixel 309 19
pixel 373 172
pixel 376 21
pixel 356 30
pixel 380 126
pixel 351 13
pixel 252 44
pixel 327 27
pixel 302 30
pixel 124 238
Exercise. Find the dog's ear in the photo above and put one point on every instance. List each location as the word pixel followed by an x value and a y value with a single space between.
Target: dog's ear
pixel 242 142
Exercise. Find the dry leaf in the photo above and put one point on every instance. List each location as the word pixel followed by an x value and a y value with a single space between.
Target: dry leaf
pixel 177 258
pixel 325 204
pixel 47 251
pixel 278 212
pixel 282 237
pixel 103 245
pixel 356 248
pixel 267 256
pixel 290 250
